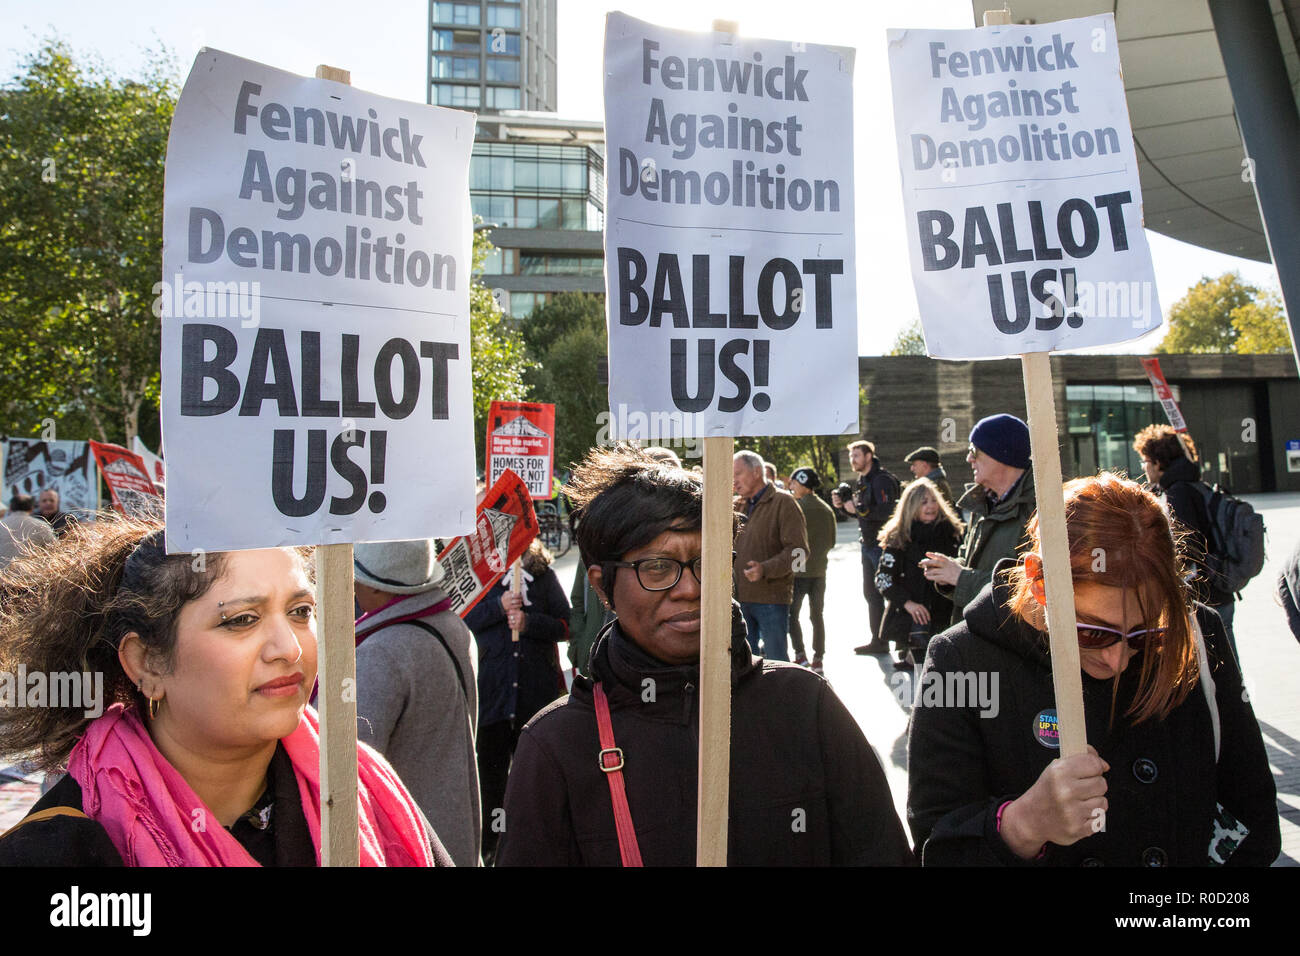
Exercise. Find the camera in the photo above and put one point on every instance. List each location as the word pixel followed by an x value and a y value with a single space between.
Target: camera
pixel 845 491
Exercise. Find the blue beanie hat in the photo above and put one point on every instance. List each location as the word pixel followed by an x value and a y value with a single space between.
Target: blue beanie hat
pixel 1003 438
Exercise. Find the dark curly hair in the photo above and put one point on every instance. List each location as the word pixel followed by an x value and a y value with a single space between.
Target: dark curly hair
pixel 624 499
pixel 66 607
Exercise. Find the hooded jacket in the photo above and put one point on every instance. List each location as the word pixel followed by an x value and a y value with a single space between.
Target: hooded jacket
pixel 996 531
pixel 966 758
pixel 806 787
pixel 417 704
pixel 1186 504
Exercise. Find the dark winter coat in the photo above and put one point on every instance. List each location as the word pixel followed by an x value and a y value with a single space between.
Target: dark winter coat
pixel 996 531
pixel 819 522
pixel 806 787
pixel 1288 591
pixel 1163 779
pixel 874 496
pixel 517 679
pixel 1180 486
pixel 900 579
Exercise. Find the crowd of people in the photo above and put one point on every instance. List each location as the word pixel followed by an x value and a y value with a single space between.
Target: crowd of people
pixel 474 748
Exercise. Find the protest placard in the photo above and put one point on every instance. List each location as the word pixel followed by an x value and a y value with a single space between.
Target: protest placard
pixel 153 463
pixel 32 465
pixel 729 246
pixel 315 308
pixel 1163 392
pixel 521 438
pixel 1020 187
pixel 128 481
pixel 503 528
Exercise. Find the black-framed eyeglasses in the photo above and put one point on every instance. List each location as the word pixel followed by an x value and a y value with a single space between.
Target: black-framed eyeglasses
pixel 659 574
pixel 1094 637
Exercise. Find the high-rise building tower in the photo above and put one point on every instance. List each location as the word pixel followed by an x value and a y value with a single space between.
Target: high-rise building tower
pixel 488 56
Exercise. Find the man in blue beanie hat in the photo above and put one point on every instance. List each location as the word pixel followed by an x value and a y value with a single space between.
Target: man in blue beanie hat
pixel 1000 502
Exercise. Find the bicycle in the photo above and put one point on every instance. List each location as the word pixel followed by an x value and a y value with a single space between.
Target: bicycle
pixel 553 526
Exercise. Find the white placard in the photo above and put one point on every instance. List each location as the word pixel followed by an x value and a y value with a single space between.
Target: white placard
pixel 1020 186
pixel 729 266
pixel 315 308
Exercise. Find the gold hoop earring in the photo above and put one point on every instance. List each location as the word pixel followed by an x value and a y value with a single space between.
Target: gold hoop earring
pixel 153 708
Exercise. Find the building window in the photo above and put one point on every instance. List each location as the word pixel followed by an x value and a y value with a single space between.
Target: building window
pixel 502 98
pixel 463 14
pixel 455 67
pixel 522 303
pixel 493 209
pixel 461 41
pixel 502 70
pixel 1104 420
pixel 503 44
pixel 451 94
pixel 503 16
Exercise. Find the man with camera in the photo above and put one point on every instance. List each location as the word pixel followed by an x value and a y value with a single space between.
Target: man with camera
pixel 871 500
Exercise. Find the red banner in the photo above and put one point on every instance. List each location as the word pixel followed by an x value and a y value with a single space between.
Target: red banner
pixel 520 437
pixel 504 527
pixel 1164 393
pixel 127 478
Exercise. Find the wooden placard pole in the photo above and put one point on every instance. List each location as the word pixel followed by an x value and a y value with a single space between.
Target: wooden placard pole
pixel 337 699
pixel 1067 683
pixel 516 588
pixel 715 655
pixel 1066 680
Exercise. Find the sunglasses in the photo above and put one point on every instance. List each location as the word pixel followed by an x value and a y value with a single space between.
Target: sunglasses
pixel 1094 637
pixel 972 452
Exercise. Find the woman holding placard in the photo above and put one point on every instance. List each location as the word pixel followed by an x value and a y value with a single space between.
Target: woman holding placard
pixel 1176 773
pixel 197 746
pixel 609 774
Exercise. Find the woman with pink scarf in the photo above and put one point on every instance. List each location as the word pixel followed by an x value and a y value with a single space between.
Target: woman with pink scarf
pixel 201 749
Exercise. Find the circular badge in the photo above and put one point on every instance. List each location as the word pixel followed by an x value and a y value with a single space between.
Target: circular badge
pixel 1046 731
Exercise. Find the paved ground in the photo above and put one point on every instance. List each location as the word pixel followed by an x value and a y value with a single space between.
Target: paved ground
pixel 868 685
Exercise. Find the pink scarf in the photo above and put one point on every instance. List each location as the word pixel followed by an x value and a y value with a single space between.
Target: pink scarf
pixel 151 815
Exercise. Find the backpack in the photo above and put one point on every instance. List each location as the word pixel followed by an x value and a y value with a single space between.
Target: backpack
pixel 1237 552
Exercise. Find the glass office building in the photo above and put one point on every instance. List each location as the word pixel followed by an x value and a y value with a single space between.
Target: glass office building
pixel 492 56
pixel 539 181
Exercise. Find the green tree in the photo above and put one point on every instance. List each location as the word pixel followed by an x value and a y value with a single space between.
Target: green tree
pixel 910 340
pixel 1225 315
pixel 81 158
pixel 1261 325
pixel 567 337
pixel 498 353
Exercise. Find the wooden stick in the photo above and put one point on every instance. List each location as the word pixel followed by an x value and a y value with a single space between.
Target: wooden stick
pixel 715 656
pixel 516 588
pixel 1066 680
pixel 337 699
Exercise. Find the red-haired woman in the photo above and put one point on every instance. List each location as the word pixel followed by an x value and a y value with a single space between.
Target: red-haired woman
pixel 1176 772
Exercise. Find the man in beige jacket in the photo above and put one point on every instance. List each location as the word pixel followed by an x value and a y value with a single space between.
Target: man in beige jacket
pixel 771 541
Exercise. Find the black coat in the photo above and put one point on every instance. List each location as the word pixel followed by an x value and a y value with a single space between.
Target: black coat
pixel 1163 781
pixel 806 787
pixel 516 679
pixel 1181 483
pixel 899 579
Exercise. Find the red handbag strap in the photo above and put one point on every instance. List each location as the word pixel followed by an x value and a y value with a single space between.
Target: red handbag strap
pixel 611 761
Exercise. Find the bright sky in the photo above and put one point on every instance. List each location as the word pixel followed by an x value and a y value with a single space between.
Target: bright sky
pixel 383 43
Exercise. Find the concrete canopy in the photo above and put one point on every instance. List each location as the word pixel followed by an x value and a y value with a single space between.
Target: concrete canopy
pixel 1189 149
